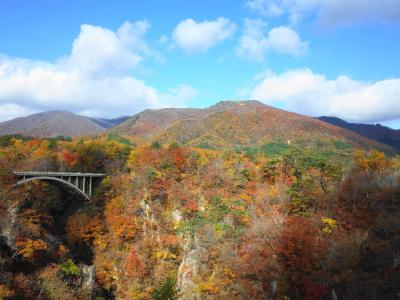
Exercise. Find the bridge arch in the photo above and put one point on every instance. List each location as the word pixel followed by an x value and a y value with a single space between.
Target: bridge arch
pixel 48 178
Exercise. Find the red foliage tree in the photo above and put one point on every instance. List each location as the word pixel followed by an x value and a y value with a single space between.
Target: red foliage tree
pixel 135 267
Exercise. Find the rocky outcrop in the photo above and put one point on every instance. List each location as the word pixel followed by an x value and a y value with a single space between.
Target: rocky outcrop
pixel 189 268
pixel 8 225
pixel 88 279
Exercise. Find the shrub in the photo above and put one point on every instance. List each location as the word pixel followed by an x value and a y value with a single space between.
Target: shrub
pixel 329 225
pixel 155 145
pixel 119 139
pixel 166 291
pixel 70 269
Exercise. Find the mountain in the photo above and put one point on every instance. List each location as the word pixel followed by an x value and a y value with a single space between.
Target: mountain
pixel 230 124
pixel 56 123
pixel 227 124
pixel 376 132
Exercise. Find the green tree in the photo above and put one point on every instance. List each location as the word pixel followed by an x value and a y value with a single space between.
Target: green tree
pixel 166 291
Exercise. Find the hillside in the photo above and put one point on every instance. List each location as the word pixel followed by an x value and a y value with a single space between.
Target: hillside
pixel 230 124
pixel 188 223
pixel 56 123
pixel 376 132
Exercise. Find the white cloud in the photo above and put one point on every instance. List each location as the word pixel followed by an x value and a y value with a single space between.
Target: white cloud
pixel 285 40
pixel 330 12
pixel 195 37
pixel 313 94
pixel 256 41
pixel 97 50
pixel 95 78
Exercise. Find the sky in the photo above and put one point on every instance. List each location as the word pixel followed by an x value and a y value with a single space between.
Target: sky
pixel 115 58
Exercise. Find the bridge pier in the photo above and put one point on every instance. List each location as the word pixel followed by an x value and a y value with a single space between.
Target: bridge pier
pixel 90 187
pixel 84 185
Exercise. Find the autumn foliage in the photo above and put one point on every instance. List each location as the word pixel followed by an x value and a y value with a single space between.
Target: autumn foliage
pixel 276 222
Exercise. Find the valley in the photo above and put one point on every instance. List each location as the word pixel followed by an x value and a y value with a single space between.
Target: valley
pixel 236 201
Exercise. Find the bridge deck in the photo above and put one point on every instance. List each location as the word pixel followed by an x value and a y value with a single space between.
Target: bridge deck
pixel 33 173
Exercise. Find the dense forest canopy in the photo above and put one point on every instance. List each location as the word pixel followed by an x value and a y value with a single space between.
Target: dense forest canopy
pixel 275 221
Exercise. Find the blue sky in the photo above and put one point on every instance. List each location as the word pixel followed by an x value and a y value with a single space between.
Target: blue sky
pixel 106 59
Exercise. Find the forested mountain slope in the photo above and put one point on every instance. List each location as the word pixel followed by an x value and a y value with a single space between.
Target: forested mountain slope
pixel 231 124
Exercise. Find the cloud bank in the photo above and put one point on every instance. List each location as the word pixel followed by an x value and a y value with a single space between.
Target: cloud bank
pixel 95 79
pixel 306 92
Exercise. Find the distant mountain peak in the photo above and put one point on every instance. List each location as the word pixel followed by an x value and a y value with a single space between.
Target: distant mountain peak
pixel 237 103
pixel 56 123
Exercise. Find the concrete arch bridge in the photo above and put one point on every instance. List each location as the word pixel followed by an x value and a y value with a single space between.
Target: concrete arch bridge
pixel 79 183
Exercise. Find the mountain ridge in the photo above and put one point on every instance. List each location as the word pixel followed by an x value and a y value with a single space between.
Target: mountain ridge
pixel 226 124
pixel 377 132
pixel 229 124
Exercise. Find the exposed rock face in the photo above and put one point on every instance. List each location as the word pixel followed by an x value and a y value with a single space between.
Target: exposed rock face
pixel 176 215
pixel 8 226
pixel 150 226
pixel 88 279
pixel 189 268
